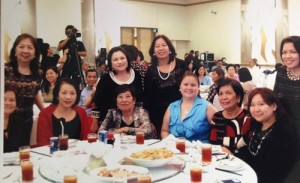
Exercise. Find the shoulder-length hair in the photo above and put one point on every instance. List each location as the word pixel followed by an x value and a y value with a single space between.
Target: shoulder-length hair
pixel 34 64
pixel 270 98
pixel 201 66
pixel 236 86
pixel 172 54
pixel 112 51
pixel 57 88
pixel 244 74
pixel 46 84
pixel 291 39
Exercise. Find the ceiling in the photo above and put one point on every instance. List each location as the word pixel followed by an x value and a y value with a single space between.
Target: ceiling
pixel 179 2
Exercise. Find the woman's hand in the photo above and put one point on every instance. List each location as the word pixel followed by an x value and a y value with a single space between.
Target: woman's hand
pixel 122 130
pixel 226 150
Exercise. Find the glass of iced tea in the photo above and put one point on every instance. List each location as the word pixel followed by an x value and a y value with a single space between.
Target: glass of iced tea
pixel 196 173
pixel 70 179
pixel 24 152
pixel 206 150
pixel 144 178
pixel 63 142
pixel 140 137
pixel 92 137
pixel 27 170
pixel 180 144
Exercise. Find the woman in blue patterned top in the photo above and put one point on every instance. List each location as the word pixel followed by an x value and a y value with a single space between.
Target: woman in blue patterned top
pixel 189 117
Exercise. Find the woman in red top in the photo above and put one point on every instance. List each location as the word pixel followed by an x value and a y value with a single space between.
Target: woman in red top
pixel 63 110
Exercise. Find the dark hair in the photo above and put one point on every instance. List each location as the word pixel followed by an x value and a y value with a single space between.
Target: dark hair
pixel 236 86
pixel 244 74
pixel 44 49
pixel 125 88
pixel 91 70
pixel 270 98
pixel 189 73
pixel 34 64
pixel 46 84
pixel 141 55
pixel 8 87
pixel 69 27
pixel 132 51
pixel 172 54
pixel 200 66
pixel 291 39
pixel 57 88
pixel 229 65
pixel 112 51
pixel 220 72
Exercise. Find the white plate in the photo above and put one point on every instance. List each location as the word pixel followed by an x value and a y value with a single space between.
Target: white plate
pixel 130 168
pixel 231 165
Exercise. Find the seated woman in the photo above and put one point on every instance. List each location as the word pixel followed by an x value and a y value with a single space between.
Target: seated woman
pixel 63 110
pixel 191 116
pixel 14 134
pixel 202 77
pixel 48 84
pixel 127 118
pixel 216 76
pixel 231 125
pixel 272 147
pixel 231 72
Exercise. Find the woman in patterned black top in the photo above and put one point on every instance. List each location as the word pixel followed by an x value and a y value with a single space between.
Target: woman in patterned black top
pixel 22 73
pixel 287 86
pixel 231 125
pixel 162 79
pixel 127 118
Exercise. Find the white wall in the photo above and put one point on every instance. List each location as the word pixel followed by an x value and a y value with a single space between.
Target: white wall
pixel 113 14
pixel 52 17
pixel 294 14
pixel 218 32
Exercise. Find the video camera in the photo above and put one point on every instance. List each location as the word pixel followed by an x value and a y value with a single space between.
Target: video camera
pixel 74 33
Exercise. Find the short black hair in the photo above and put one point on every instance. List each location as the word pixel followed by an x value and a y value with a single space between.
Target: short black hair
pixel 236 86
pixel 125 88
pixel 244 74
pixel 58 86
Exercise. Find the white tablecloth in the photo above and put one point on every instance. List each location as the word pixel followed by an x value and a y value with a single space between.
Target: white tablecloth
pixel 78 160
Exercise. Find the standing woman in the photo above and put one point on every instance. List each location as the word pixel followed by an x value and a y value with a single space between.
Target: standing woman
pixel 119 73
pixel 162 79
pixel 232 125
pixel 65 110
pixel 216 76
pixel 22 73
pixel 272 145
pixel 49 83
pixel 287 85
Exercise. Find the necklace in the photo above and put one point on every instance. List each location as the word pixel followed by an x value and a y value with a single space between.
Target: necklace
pixel 256 142
pixel 167 75
pixel 127 121
pixel 291 76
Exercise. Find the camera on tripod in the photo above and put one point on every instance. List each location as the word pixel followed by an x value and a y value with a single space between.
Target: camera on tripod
pixel 74 33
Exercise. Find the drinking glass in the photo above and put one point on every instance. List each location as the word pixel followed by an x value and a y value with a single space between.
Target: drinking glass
pixel 27 170
pixel 180 144
pixel 196 172
pixel 70 178
pixel 144 178
pixel 206 150
pixel 24 153
pixel 63 142
pixel 140 137
pixel 92 137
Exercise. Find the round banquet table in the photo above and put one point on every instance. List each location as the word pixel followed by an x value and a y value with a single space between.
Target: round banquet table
pixel 47 166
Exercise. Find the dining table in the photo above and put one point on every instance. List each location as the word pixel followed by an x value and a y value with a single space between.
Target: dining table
pixel 83 158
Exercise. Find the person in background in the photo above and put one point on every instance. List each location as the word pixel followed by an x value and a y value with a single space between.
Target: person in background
pixel 87 94
pixel 189 117
pixel 237 67
pixel 202 77
pixel 63 115
pixel 219 64
pixel 48 58
pixel 247 84
pixel 127 118
pixel 287 87
pixel 49 83
pixel 14 135
pixel 196 60
pixel 141 59
pixel 232 125
pixel 76 50
pixel 231 73
pixel 23 74
pixel 272 146
pixel 256 72
pixel 84 66
pixel 120 72
pixel 162 79
pixel 102 69
pixel 216 76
